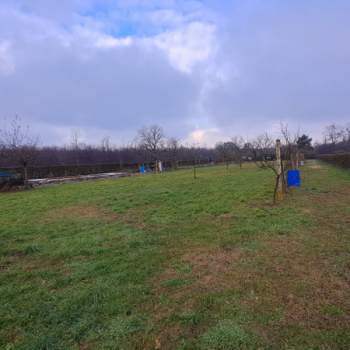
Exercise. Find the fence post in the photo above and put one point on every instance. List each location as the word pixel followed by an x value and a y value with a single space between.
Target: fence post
pixel 279 193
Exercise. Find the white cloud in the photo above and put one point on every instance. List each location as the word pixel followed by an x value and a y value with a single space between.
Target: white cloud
pixel 206 137
pixel 188 46
pixel 98 39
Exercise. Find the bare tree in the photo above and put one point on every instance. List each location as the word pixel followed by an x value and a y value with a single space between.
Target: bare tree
pixel 105 144
pixel 18 145
pixel 347 132
pixel 151 139
pixel 76 145
pixel 225 151
pixel 290 149
pixel 238 147
pixel 173 148
pixel 263 152
pixel 333 134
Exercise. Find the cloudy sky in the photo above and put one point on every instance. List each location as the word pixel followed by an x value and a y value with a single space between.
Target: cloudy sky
pixel 203 70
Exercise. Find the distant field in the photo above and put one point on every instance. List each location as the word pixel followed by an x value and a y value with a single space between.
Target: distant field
pixel 169 262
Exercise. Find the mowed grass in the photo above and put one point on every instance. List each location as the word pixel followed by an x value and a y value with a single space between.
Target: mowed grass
pixel 169 262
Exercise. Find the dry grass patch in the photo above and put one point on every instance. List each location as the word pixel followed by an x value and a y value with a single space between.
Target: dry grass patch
pixel 209 269
pixel 198 272
pixel 286 276
pixel 79 212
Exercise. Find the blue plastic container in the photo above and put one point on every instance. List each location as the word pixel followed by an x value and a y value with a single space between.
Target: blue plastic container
pixel 142 169
pixel 293 178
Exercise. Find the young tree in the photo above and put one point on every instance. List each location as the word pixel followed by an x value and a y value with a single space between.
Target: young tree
pixel 18 146
pixel 266 154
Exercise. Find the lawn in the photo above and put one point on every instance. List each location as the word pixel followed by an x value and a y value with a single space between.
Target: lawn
pixel 169 262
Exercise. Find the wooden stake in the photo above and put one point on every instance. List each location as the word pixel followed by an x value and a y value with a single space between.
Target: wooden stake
pixel 279 193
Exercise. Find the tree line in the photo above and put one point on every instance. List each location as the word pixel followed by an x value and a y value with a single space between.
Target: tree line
pixel 19 148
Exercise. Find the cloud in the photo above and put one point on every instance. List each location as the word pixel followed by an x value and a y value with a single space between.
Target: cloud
pixel 204 70
pixel 206 137
pixel 7 65
pixel 188 46
pixel 83 78
pixel 282 62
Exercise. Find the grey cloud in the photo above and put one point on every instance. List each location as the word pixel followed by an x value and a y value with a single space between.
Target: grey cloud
pixel 118 88
pixel 288 62
pixel 275 61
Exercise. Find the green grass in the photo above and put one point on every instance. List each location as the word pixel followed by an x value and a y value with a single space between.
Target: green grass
pixel 166 261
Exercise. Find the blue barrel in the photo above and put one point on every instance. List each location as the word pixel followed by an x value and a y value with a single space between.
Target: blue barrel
pixel 293 178
pixel 142 169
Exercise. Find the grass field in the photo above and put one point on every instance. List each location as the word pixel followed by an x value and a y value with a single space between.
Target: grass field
pixel 169 262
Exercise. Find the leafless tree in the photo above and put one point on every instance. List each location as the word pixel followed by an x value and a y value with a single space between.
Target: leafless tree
pixel 105 144
pixel 238 146
pixel 173 148
pixel 225 152
pixel 76 143
pixel 333 134
pixel 290 149
pixel 263 152
pixel 347 132
pixel 151 139
pixel 18 145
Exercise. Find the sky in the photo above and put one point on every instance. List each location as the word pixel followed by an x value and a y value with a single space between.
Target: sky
pixel 205 71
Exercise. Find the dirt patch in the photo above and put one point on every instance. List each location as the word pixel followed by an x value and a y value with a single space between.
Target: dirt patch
pixel 208 269
pixel 78 213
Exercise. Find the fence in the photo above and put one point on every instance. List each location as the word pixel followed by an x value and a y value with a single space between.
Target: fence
pixel 342 160
pixel 74 170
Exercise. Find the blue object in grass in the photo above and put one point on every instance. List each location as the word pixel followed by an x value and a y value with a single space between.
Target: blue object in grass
pixel 142 169
pixel 5 174
pixel 293 178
